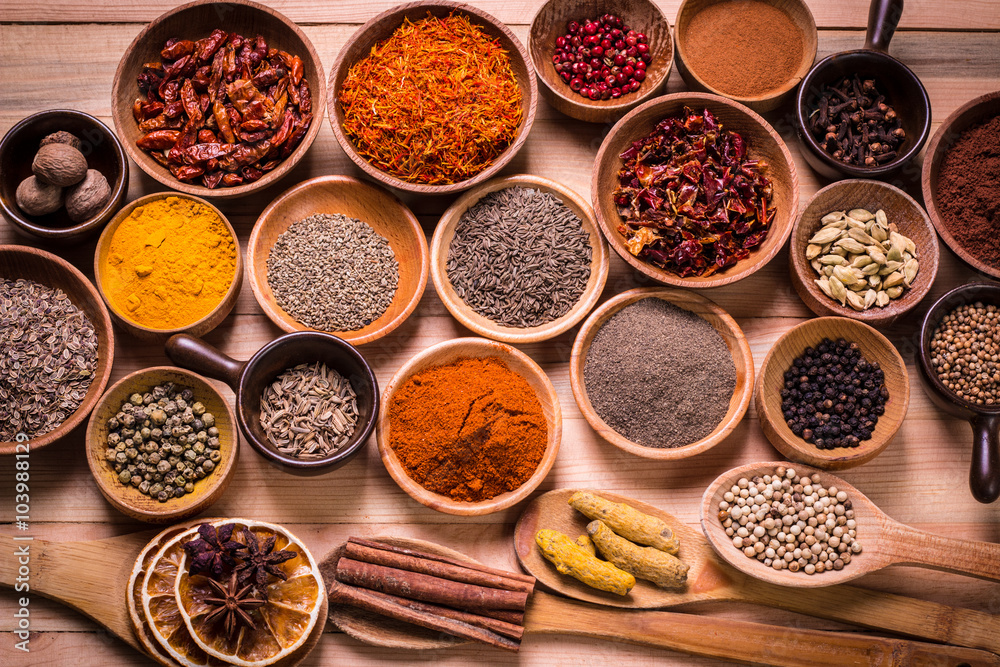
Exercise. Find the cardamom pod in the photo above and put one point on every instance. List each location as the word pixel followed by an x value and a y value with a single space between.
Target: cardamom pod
pixel 817 267
pixel 855 301
pixel 839 251
pixel 877 256
pixel 833 216
pixel 824 286
pixel 827 270
pixel 881 218
pixel 890 267
pixel 870 298
pixel 850 245
pixel 855 224
pixel 861 261
pixel 893 279
pixel 860 214
pixel 894 292
pixel 846 276
pixel 882 299
pixel 875 282
pixel 825 235
pixel 879 233
pixel 911 247
pixel 837 289
pixel 910 272
pixel 835 260
pixel 861 237
pixel 813 251
pixel 871 268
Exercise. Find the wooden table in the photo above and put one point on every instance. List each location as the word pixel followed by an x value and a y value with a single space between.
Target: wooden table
pixel 63 54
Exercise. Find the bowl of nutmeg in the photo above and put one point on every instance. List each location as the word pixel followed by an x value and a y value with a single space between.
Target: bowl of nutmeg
pixel 64 174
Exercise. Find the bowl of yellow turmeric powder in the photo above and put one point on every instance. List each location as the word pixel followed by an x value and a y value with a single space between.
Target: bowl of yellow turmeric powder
pixel 168 263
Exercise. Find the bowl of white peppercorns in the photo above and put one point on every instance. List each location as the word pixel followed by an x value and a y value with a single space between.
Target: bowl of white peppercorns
pixel 960 369
pixel 162 444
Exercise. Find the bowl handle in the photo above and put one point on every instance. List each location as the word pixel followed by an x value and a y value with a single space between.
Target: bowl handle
pixel 883 17
pixel 985 475
pixel 197 355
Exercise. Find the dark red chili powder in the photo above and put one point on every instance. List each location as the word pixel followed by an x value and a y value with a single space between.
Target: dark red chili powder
pixel 968 191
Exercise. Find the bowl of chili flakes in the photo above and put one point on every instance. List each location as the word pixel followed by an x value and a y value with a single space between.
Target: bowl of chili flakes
pixel 219 99
pixel 695 190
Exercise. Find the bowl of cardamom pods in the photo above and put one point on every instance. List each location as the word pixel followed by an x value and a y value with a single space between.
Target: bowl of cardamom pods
pixel 865 250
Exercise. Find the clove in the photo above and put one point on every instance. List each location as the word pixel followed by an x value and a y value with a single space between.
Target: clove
pixel 855 124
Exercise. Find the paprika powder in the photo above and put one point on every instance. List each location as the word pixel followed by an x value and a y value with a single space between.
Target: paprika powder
pixel 470 430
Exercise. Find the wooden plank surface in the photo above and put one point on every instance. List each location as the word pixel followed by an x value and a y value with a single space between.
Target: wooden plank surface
pixel 63 54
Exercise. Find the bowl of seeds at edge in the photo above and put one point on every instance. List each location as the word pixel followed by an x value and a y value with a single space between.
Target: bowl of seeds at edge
pixel 134 435
pixel 79 323
pixel 519 259
pixel 360 250
pixel 839 437
pixel 662 373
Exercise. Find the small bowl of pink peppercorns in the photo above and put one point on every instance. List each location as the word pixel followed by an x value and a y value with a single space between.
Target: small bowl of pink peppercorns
pixel 596 60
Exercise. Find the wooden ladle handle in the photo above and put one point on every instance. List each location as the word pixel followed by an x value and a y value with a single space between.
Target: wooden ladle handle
pixel 739 641
pixel 916 547
pixel 197 355
pixel 984 478
pixel 883 17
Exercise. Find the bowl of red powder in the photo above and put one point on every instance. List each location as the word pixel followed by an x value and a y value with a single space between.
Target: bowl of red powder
pixel 961 182
pixel 469 426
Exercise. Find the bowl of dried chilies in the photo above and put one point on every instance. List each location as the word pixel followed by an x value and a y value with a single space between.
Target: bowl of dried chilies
pixel 694 190
pixel 219 99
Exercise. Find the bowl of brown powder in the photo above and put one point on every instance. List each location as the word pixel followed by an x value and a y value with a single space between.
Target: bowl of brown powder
pixel 753 51
pixel 662 373
pixel 469 426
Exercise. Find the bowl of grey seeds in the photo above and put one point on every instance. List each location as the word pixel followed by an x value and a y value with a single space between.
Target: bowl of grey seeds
pixel 162 444
pixel 519 259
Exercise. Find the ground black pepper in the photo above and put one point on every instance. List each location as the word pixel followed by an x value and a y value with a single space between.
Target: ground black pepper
pixel 659 375
pixel 833 396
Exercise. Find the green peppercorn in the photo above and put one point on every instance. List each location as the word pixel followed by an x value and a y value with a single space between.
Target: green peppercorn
pixel 209 419
pixel 208 466
pixel 121 457
pixel 113 424
pixel 154 489
pixel 214 443
pixel 114 439
pixel 128 421
pixel 180 480
pixel 189 487
pixel 163 496
pixel 213 432
pixel 124 476
pixel 215 455
pixel 163 466
pixel 110 454
pixel 197 425
pixel 144 486
pixel 155 434
pixel 136 480
pixel 198 408
pixel 135 399
pixel 199 472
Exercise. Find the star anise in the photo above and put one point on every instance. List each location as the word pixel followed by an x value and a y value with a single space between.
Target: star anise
pixel 259 561
pixel 213 553
pixel 233 604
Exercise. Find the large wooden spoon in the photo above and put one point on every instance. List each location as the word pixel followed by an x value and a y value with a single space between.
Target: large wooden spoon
pixel 884 541
pixel 711 579
pixel 739 641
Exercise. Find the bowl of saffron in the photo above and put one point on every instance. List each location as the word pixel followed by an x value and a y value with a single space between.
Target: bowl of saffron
pixel 432 97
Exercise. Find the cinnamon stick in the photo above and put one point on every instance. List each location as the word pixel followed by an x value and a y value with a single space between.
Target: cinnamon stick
pixel 512 630
pixel 506 615
pixel 373 601
pixel 459 573
pixel 442 559
pixel 427 588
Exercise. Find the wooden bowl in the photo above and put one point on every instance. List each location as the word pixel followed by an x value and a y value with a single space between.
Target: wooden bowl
pixel 969 114
pixel 984 475
pixel 720 320
pixel 380 28
pixel 763 142
pixel 900 209
pixel 356 199
pixel 126 498
pixel 47 269
pixel 469 318
pixel 103 152
pixel 902 88
pixel 446 352
pixel 196 20
pixel 769 100
pixel 641 15
pixel 148 334
pixel 875 347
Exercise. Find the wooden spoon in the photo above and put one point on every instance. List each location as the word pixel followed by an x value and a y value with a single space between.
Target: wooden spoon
pixel 884 541
pixel 740 641
pixel 711 579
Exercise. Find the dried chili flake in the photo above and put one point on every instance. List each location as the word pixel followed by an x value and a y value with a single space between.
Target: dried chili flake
pixel 690 198
pixel 435 103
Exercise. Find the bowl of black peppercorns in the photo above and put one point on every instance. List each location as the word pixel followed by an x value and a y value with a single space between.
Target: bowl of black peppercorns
pixel 832 393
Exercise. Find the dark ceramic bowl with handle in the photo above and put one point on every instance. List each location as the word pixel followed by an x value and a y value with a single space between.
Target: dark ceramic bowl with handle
pixel 984 478
pixel 248 380
pixel 903 91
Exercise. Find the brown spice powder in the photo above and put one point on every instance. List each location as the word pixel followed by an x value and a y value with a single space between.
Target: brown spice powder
pixel 743 48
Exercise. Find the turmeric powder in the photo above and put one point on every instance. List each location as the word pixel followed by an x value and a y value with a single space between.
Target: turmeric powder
pixel 169 264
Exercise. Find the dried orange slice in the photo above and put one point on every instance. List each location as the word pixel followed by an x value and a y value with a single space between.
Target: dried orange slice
pixel 280 626
pixel 139 624
pixel 159 605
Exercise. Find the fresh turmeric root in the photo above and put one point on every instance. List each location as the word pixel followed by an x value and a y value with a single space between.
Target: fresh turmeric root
pixel 627 521
pixel 647 563
pixel 570 558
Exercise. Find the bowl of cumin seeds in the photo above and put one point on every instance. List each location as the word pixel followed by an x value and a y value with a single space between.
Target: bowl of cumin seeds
pixel 519 259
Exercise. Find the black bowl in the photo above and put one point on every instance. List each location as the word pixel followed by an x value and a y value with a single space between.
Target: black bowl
pixel 103 152
pixel 249 379
pixel 984 478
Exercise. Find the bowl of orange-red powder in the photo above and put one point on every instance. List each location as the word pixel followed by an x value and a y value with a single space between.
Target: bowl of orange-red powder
pixel 469 426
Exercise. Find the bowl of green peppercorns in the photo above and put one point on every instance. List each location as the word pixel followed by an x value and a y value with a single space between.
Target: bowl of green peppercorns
pixel 162 444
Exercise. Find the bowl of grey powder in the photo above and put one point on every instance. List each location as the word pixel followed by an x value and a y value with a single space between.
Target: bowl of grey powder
pixel 519 259
pixel 662 373
pixel 338 255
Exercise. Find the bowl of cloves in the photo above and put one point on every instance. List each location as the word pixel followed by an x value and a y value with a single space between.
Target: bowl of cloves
pixel 863 113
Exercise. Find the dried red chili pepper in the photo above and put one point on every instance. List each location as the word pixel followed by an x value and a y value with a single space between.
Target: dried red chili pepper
pixel 690 198
pixel 178 49
pixel 158 140
pixel 205 48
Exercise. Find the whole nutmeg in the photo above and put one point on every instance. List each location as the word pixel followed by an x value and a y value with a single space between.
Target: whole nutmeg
pixel 36 197
pixel 88 196
pixel 62 137
pixel 59 164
